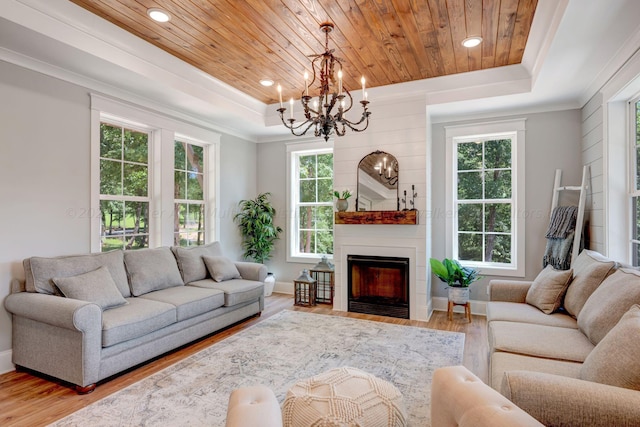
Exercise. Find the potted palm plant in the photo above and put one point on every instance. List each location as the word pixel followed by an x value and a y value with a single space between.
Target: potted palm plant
pixel 457 278
pixel 259 232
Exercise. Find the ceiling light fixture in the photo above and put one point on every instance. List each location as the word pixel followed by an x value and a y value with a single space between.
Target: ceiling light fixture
pixel 266 82
pixel 320 114
pixel 472 41
pixel 158 15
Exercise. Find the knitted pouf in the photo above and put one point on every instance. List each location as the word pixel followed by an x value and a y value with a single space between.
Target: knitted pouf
pixel 344 397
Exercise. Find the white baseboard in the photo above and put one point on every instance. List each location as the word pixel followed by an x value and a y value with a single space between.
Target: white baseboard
pixel 283 288
pixel 477 307
pixel 5 362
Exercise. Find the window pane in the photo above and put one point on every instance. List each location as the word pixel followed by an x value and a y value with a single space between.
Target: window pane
pixel 135 180
pixel 136 225
pixel 308 191
pixel 324 242
pixel 469 185
pixel 308 166
pixel 194 158
pixel 498 248
pixel 497 154
pixel 110 177
pixel 111 213
pixel 111 243
pixel 324 217
pixel 194 186
pixel 135 146
pixel 110 141
pixel 470 217
pixel 469 156
pixel 498 217
pixel 180 156
pixel 189 227
pixel 181 214
pixel 180 185
pixel 470 247
pixel 325 165
pixel 325 190
pixel 306 216
pixel 497 184
pixel 307 241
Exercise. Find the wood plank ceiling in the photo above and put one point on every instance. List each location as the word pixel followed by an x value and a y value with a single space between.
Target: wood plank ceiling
pixel 388 41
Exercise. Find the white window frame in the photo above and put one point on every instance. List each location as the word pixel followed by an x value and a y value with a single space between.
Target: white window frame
pixel 632 191
pixel 294 150
pixel 515 129
pixel 163 131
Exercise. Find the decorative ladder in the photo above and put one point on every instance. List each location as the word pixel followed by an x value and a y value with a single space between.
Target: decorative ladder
pixel 557 188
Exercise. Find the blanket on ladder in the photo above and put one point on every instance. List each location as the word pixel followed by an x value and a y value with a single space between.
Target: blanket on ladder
pixel 560 237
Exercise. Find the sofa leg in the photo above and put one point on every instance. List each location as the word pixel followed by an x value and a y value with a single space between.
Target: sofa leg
pixel 86 389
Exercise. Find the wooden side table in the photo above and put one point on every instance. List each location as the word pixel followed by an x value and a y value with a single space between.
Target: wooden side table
pixel 467 310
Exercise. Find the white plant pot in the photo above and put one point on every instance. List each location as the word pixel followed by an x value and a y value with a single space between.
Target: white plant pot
pixel 342 205
pixel 269 283
pixel 458 295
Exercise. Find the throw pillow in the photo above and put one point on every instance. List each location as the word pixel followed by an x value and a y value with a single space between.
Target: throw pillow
pixel 548 288
pixel 608 303
pixel 589 271
pixel 151 270
pixel 190 260
pixel 614 360
pixel 96 286
pixel 221 268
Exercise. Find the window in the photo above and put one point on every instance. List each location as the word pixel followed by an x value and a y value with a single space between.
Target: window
pixel 153 179
pixel 485 163
pixel 311 202
pixel 189 181
pixel 124 187
pixel 634 108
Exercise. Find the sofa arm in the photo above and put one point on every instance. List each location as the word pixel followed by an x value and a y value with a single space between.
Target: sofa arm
pixel 508 290
pixel 557 400
pixel 252 270
pixel 459 398
pixel 55 310
pixel 255 406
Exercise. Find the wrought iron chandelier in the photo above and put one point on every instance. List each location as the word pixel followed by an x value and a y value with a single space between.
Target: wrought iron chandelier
pixel 320 114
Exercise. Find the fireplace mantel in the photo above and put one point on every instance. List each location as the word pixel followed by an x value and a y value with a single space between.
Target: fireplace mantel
pixel 377 217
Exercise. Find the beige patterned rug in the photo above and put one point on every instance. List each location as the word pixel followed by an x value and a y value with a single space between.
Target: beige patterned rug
pixel 278 352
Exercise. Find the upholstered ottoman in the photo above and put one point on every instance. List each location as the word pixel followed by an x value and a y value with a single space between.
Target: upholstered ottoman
pixel 344 397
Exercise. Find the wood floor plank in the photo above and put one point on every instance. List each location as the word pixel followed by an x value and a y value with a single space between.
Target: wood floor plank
pixel 29 399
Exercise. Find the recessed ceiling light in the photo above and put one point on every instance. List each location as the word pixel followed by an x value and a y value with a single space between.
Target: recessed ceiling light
pixel 266 82
pixel 158 15
pixel 471 41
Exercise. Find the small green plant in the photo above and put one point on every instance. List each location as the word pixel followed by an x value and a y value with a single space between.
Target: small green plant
pixel 345 194
pixel 452 273
pixel 259 233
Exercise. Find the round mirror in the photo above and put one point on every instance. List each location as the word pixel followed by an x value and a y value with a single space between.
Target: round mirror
pixel 378 183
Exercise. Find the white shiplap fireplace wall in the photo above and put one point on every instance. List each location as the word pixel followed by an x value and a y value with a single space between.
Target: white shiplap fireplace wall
pixel 398 128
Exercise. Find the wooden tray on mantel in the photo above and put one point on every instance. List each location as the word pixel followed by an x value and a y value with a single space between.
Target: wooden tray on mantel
pixel 377 217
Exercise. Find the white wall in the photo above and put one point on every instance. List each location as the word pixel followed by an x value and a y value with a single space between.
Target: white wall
pixel 552 142
pixel 45 183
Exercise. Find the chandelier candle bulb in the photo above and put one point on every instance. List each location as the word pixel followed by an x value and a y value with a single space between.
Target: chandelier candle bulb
pixel 280 95
pixel 339 82
pixel 291 102
pixel 306 84
pixel 364 95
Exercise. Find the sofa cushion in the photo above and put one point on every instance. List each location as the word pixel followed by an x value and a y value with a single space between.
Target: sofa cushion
pixel 39 271
pixel 190 260
pixel 236 291
pixel 589 271
pixel 96 286
pixel 140 317
pixel 539 341
pixel 608 303
pixel 221 268
pixel 615 359
pixel 151 270
pixel 188 300
pixel 502 362
pixel 525 313
pixel 548 288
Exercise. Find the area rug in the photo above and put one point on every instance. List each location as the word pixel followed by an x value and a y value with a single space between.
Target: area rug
pixel 278 352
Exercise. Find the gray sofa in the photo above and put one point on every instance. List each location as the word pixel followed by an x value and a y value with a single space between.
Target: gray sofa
pixel 85 318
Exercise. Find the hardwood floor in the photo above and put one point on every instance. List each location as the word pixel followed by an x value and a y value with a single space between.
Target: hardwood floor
pixel 27 399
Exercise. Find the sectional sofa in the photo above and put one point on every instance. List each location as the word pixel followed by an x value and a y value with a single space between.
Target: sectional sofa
pixel 87 317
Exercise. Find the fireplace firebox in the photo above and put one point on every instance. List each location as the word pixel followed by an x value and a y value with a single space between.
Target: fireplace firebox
pixel 378 285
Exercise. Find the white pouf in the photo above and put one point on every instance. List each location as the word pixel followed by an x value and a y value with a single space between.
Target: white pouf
pixel 344 397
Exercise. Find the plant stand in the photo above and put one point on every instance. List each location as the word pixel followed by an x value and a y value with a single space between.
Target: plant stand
pixel 467 310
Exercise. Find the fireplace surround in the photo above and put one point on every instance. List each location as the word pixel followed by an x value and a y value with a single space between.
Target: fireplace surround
pixel 378 285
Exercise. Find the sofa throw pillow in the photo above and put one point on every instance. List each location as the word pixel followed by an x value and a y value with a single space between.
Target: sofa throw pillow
pixel 151 270
pixel 615 360
pixel 589 271
pixel 548 288
pixel 190 260
pixel 608 303
pixel 96 286
pixel 221 268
